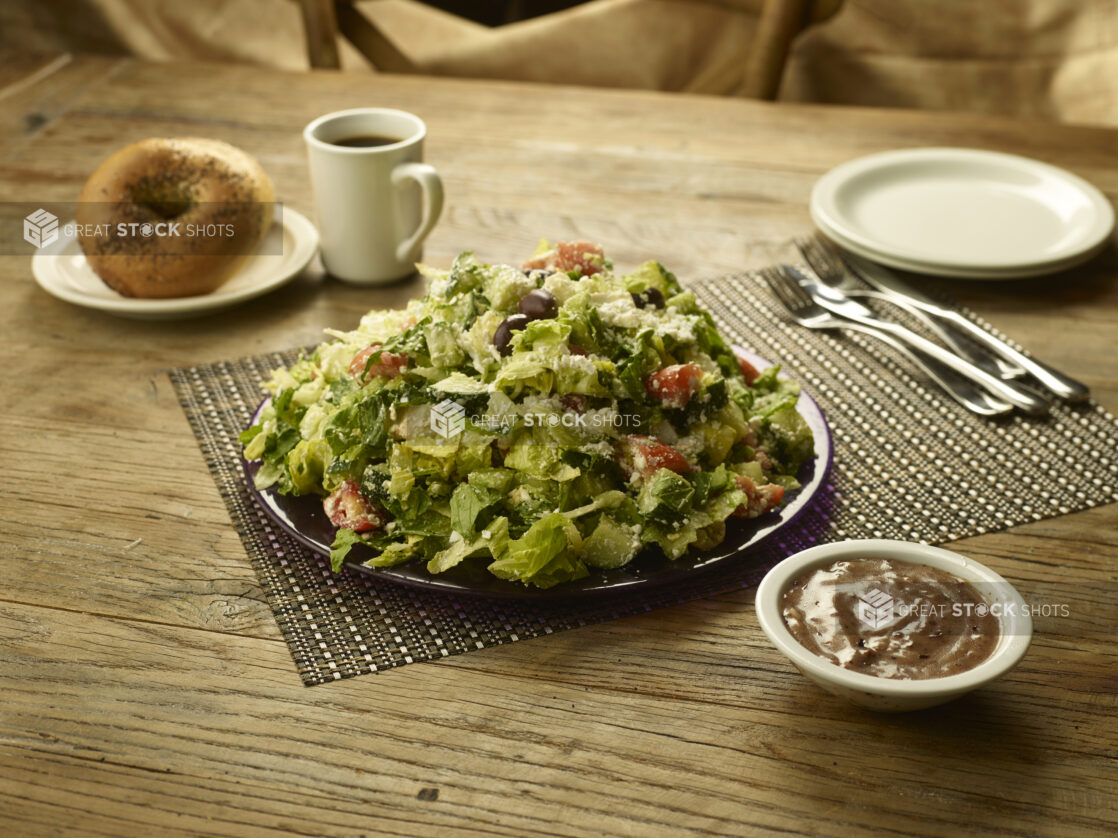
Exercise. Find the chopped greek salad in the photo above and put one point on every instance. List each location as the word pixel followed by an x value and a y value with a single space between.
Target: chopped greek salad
pixel 546 421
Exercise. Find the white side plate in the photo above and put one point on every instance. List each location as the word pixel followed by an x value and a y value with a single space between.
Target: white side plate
pixel 983 274
pixel 62 270
pixel 961 212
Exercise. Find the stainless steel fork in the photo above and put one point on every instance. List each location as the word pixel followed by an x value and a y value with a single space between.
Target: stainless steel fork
pixel 839 304
pixel 809 314
pixel 828 266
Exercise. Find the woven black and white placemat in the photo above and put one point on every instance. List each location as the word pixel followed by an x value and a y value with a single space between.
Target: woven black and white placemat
pixel 909 463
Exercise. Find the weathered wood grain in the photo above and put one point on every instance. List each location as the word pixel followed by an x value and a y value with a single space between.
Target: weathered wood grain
pixel 146 688
pixel 515 754
pixel 35 90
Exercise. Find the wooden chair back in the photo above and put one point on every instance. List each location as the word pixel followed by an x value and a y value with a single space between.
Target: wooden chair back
pixel 779 22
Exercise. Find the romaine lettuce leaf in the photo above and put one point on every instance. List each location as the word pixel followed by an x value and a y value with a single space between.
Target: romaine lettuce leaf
pixel 528 555
pixel 492 541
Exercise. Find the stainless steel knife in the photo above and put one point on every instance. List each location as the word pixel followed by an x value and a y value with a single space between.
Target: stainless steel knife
pixel 883 279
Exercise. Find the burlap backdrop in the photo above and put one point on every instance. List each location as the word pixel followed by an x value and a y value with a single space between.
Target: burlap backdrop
pixel 1054 59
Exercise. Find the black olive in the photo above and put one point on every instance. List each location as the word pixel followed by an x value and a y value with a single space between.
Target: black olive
pixel 503 335
pixel 652 295
pixel 539 305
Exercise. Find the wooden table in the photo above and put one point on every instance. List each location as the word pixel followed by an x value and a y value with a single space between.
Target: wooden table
pixel 146 688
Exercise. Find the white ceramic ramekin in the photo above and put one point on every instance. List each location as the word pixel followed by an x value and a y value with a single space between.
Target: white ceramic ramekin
pixel 888 694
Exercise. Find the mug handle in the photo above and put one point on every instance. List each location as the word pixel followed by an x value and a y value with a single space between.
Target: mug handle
pixel 432 187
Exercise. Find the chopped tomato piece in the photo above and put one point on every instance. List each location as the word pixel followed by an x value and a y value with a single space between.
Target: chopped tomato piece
pixel 348 509
pixel 673 386
pixel 748 371
pixel 760 499
pixel 389 364
pixel 646 455
pixel 575 402
pixel 584 257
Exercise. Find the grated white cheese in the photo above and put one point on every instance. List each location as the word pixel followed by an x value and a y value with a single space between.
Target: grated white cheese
pixel 616 308
pixel 582 364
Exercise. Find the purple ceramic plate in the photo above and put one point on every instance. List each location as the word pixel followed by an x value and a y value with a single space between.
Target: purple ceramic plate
pixel 304 519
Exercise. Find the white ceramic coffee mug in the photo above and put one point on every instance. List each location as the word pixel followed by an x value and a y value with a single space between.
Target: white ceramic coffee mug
pixel 376 204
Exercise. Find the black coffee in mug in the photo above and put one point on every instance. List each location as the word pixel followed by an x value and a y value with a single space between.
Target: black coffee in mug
pixel 371 235
pixel 366 141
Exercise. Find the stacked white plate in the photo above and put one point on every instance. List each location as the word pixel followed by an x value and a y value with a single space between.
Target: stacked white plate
pixel 962 213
